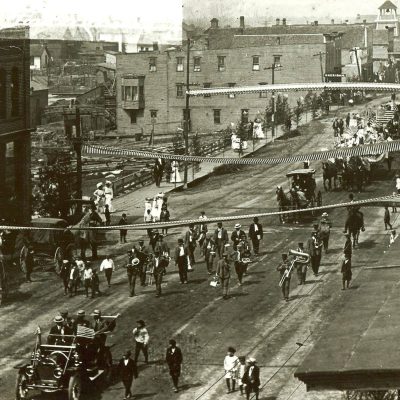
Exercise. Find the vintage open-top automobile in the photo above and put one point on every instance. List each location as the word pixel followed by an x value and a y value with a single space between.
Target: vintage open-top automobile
pixel 66 366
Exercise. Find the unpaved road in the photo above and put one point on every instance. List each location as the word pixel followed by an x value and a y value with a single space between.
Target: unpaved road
pixel 255 320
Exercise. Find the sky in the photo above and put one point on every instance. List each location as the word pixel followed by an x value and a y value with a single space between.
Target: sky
pixel 92 11
pixel 126 12
pixel 229 11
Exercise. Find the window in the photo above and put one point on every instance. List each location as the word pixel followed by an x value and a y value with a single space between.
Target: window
pixel 153 113
pixel 179 90
pixel 263 94
pixel 179 64
pixel 277 61
pixel 221 63
pixel 278 40
pixel 207 85
pixel 153 64
pixel 256 63
pixel 133 116
pixel 231 95
pixel 196 64
pixel 3 94
pixel 131 93
pixel 245 115
pixel 15 92
pixel 217 116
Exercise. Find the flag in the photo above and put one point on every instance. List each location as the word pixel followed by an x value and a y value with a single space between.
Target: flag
pixel 84 332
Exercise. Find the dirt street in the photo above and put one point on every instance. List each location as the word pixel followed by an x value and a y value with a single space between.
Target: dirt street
pixel 254 319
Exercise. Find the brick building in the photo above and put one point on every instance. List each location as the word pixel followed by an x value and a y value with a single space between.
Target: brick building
pixel 151 86
pixel 15 192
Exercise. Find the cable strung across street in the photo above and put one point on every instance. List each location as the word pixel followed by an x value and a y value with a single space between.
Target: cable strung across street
pixel 377 87
pixel 365 150
pixel 372 202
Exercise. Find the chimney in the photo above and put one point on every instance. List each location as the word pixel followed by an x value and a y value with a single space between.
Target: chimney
pixel 242 21
pixel 332 21
pixel 214 23
pixel 364 21
pixel 284 21
pixel 316 23
pixel 155 46
pixel 278 21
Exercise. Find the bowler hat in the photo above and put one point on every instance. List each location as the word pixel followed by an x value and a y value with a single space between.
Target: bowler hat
pixel 81 312
pixel 238 226
pixel 96 312
pixel 59 319
pixel 252 360
pixel 141 322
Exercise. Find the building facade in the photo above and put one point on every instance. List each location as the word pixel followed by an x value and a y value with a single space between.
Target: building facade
pixel 151 86
pixel 15 188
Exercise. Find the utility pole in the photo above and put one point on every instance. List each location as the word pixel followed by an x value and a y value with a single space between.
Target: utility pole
pixel 355 50
pixel 320 54
pixel 78 150
pixel 187 119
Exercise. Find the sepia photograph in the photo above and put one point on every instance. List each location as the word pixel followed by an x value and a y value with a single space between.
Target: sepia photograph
pixel 198 200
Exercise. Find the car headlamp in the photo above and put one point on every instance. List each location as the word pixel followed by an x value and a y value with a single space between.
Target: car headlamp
pixel 57 372
pixel 29 370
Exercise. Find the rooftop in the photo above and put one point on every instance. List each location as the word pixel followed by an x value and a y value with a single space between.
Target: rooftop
pixel 387 5
pixel 359 349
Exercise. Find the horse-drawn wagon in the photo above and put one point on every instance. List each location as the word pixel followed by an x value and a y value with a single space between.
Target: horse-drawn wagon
pixel 301 194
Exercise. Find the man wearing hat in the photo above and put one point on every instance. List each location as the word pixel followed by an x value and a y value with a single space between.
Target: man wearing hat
pixel 64 274
pixel 284 269
pixel 80 320
pixel 301 268
pixel 190 242
pixel 141 336
pixel 224 274
pixel 160 263
pixel 251 378
pixel 209 250
pixel 67 320
pixel 100 326
pixel 181 254
pixel 236 235
pixel 325 226
pixel 58 331
pixel 91 235
pixel 127 371
pixel 142 254
pixel 174 360
pixel 347 248
pixel 314 245
pixel 256 234
pixel 108 267
pixel 132 270
pixel 220 239
pixel 73 280
pixel 161 246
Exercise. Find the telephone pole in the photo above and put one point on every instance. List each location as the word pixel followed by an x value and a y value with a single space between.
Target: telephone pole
pixel 78 150
pixel 320 54
pixel 187 111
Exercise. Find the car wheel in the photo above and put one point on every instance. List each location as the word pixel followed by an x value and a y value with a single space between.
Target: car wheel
pixel 21 390
pixel 74 387
pixel 58 259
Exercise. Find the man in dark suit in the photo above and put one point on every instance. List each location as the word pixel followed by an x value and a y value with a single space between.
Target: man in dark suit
pixel 174 360
pixel 64 274
pixel 314 249
pixel 160 263
pixel 59 332
pixel 142 254
pixel 158 170
pixel 251 378
pixel 190 242
pixel 73 280
pixel 127 371
pixel 256 234
pixel 220 239
pixel 236 235
pixel 181 255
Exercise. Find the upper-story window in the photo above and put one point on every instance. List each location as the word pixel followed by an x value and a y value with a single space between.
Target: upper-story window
pixel 196 64
pixel 15 92
pixel 221 63
pixel 152 64
pixel 179 90
pixel 179 64
pixel 277 61
pixel 256 63
pixel 3 94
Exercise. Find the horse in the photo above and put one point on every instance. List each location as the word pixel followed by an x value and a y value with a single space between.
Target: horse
pixel 355 173
pixel 288 201
pixel 355 223
pixel 329 171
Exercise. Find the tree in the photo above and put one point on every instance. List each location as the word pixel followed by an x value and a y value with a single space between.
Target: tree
pixel 178 141
pixel 298 111
pixel 314 105
pixel 55 186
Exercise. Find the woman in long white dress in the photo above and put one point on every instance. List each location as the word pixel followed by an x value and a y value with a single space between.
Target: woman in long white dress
pixel 99 198
pixel 257 130
pixel 175 175
pixel 109 196
pixel 155 212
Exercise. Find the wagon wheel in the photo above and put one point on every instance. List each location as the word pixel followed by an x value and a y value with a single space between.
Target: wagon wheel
pixel 58 259
pixel 319 199
pixel 21 390
pixel 3 283
pixel 22 258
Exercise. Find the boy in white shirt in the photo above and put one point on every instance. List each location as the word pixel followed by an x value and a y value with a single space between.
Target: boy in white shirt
pixel 231 363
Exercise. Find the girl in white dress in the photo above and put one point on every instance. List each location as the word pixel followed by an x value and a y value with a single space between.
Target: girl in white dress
pixel 175 175
pixel 99 198
pixel 109 195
